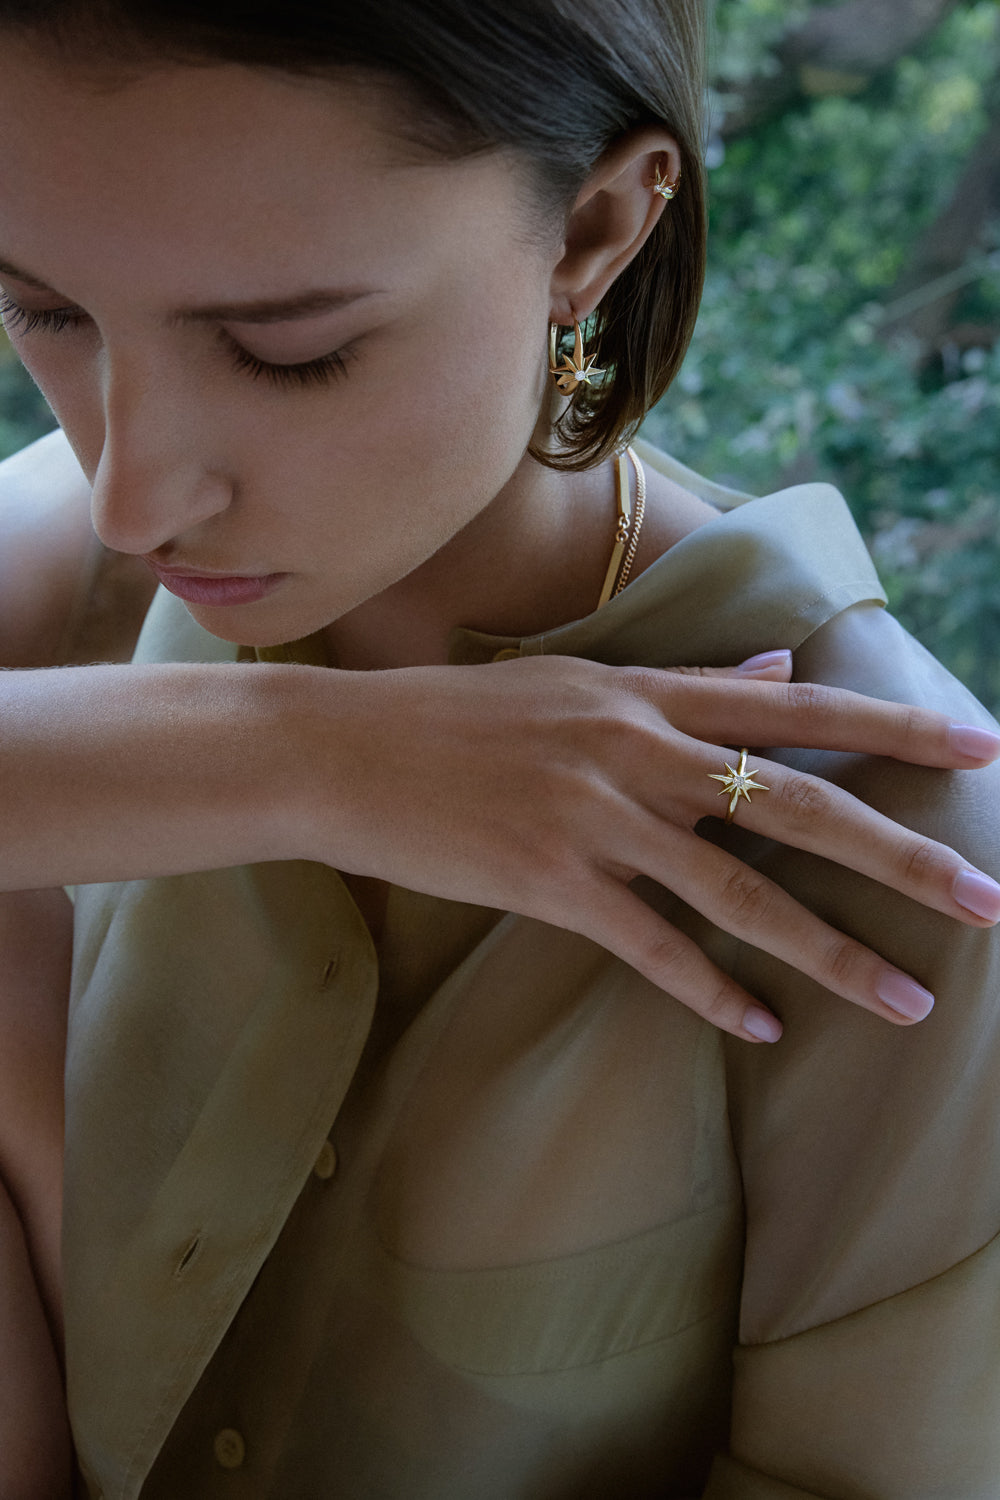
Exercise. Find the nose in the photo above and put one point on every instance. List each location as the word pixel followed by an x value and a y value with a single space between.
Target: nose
pixel 133 510
pixel 153 484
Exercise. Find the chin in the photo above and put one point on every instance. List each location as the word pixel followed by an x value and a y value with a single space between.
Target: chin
pixel 256 627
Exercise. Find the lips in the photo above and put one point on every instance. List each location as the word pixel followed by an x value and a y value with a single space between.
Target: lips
pixel 215 589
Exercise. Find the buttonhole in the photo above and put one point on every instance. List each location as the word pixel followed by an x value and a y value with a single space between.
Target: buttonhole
pixel 329 972
pixel 191 1250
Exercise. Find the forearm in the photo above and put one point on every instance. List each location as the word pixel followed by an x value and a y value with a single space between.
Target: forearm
pixel 110 772
pixel 540 787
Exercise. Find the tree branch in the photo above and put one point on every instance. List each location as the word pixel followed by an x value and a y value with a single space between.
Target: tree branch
pixel 954 240
pixel 837 50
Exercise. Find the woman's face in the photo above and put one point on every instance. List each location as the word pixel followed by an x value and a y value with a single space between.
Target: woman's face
pixel 198 224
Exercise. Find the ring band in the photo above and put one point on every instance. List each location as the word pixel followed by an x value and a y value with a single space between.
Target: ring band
pixel 738 783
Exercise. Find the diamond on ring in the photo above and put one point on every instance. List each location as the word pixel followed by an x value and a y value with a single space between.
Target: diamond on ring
pixel 738 783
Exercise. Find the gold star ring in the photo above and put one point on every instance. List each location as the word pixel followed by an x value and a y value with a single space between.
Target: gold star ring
pixel 737 784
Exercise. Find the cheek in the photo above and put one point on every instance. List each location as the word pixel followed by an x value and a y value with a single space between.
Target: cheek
pixel 459 436
pixel 426 430
pixel 432 420
pixel 447 413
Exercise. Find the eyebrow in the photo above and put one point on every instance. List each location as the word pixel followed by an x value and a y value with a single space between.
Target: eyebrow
pixel 265 310
pixel 6 269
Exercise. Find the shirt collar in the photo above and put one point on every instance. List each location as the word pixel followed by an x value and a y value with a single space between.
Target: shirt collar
pixel 763 575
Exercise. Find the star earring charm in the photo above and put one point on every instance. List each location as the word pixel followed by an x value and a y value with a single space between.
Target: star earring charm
pixel 738 783
pixel 667 190
pixel 577 368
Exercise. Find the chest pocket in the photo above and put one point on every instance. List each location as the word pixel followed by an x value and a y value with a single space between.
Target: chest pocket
pixel 577 1310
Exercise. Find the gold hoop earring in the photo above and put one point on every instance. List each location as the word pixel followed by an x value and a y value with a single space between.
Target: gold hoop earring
pixel 666 189
pixel 577 368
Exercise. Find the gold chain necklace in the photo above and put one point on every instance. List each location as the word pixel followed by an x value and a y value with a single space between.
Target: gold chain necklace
pixel 628 526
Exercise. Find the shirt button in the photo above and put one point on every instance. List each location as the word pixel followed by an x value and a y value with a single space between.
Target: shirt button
pixel 326 1162
pixel 507 655
pixel 230 1449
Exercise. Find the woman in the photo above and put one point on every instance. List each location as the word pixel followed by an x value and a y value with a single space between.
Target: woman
pixel 286 281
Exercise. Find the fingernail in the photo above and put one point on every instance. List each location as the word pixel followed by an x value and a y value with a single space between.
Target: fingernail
pixel 762 1025
pixel 976 743
pixel 766 661
pixel 978 894
pixel 904 995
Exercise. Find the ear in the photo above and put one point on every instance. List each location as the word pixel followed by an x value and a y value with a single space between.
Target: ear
pixel 611 219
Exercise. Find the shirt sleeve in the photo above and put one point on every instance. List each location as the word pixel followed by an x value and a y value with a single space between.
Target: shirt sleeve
pixel 868 1366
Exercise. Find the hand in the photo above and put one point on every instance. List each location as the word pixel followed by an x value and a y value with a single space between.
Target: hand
pixel 545 785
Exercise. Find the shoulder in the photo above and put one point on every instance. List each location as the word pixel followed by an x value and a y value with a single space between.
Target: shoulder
pixel 895 1128
pixel 63 596
pixel 866 650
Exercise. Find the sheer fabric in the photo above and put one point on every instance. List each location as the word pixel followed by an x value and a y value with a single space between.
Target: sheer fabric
pixel 484 1213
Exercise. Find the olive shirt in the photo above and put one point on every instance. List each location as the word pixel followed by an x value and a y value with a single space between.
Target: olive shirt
pixel 529 1229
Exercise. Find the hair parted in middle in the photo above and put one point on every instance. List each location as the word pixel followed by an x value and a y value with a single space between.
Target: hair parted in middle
pixel 556 81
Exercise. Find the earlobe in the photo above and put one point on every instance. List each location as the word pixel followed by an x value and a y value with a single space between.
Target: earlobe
pixel 614 214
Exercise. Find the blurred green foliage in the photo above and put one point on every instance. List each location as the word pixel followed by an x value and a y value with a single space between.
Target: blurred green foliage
pixel 792 375
pixel 23 412
pixel 744 32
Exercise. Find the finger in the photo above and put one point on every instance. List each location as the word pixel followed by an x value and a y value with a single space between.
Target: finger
pixel 623 924
pixel 745 903
pixel 820 818
pixel 769 666
pixel 775 666
pixel 739 712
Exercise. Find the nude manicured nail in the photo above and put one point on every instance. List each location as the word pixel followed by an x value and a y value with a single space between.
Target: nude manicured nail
pixel 976 743
pixel 978 894
pixel 904 995
pixel 767 661
pixel 762 1025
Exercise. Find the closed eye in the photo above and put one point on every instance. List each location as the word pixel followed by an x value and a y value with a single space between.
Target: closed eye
pixel 314 372
pixel 17 319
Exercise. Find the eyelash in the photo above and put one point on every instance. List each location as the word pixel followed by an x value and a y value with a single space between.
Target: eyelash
pixel 26 321
pixel 315 372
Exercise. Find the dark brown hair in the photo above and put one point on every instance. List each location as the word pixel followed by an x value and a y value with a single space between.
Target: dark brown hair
pixel 555 80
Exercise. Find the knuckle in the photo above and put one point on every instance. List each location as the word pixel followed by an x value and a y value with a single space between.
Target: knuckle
pixel 594 733
pixel 683 971
pixel 922 861
pixel 631 742
pixel 910 723
pixel 562 885
pixel 552 863
pixel 748 899
pixel 604 723
pixel 615 750
pixel 663 690
pixel 723 1006
pixel 814 699
pixel 841 964
pixel 646 683
pixel 668 954
pixel 803 800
